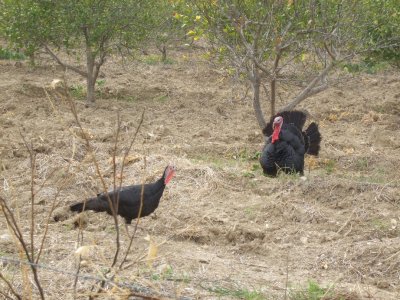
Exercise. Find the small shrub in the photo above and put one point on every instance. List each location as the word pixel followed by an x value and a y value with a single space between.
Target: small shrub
pixel 78 91
pixel 9 54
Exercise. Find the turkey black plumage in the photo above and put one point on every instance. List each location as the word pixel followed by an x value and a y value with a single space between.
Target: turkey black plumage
pixel 130 204
pixel 286 143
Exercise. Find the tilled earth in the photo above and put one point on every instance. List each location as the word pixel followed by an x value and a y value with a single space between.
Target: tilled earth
pixel 222 229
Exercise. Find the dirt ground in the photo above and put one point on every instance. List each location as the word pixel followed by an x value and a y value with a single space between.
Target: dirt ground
pixel 222 229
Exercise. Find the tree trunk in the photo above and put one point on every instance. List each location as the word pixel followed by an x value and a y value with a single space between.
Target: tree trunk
pixel 255 82
pixel 90 78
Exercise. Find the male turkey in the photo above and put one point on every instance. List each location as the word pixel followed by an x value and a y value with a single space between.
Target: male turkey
pixel 286 143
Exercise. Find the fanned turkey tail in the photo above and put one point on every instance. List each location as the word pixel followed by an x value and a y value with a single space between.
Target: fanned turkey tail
pixel 312 138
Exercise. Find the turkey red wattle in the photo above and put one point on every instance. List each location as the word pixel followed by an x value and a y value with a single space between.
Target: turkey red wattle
pixel 277 128
pixel 170 172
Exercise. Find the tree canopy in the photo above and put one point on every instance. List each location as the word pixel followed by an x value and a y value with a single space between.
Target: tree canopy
pixel 273 44
pixel 99 26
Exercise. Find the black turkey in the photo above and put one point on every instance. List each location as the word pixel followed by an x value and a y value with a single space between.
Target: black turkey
pixel 129 199
pixel 286 143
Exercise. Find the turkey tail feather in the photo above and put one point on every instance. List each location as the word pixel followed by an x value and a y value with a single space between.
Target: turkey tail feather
pixel 314 139
pixel 90 204
pixel 77 207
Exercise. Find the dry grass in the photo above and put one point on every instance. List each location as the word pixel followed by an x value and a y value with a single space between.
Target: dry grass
pixel 222 228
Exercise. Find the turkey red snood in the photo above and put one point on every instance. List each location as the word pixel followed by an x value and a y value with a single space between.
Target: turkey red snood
pixel 277 125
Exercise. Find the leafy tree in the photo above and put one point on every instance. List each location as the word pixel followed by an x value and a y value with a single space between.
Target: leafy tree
pixel 100 26
pixel 383 33
pixel 276 44
pixel 26 24
pixel 170 33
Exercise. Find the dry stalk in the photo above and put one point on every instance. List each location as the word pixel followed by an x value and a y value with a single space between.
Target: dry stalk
pixel 13 224
pixel 137 220
pixel 77 276
pixel 10 287
pixel 98 171
pixel 53 206
pixel 113 207
pixel 32 157
pixel 347 222
pixel 287 274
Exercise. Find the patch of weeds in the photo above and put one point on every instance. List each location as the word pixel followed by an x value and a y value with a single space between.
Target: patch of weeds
pixel 127 98
pixel 249 174
pixel 330 166
pixel 362 164
pixel 215 161
pixel 246 155
pixel 251 212
pixel 254 169
pixel 168 274
pixel 161 98
pixel 312 292
pixel 391 107
pixel 156 59
pixel 237 293
pixel 365 67
pixel 378 179
pixel 78 91
pixel 99 87
pixel 68 226
pixel 9 54
pixel 292 175
pixel 380 225
pixel 155 277
pixel 110 229
pixel 100 83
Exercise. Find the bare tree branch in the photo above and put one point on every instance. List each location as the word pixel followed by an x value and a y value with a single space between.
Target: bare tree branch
pixel 310 89
pixel 64 65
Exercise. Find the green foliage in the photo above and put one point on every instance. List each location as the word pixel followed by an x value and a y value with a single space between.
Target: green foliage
pixel 245 154
pixel 383 33
pixel 156 59
pixel 366 27
pixel 365 66
pixel 101 26
pixel 9 54
pixel 237 23
pixel 28 24
pixel 101 22
pixel 78 91
pixel 170 275
pixel 330 166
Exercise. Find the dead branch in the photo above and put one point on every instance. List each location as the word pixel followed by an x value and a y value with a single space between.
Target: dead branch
pixel 32 157
pixel 137 221
pixel 96 164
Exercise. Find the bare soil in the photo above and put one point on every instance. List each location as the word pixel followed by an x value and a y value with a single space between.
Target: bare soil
pixel 222 229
